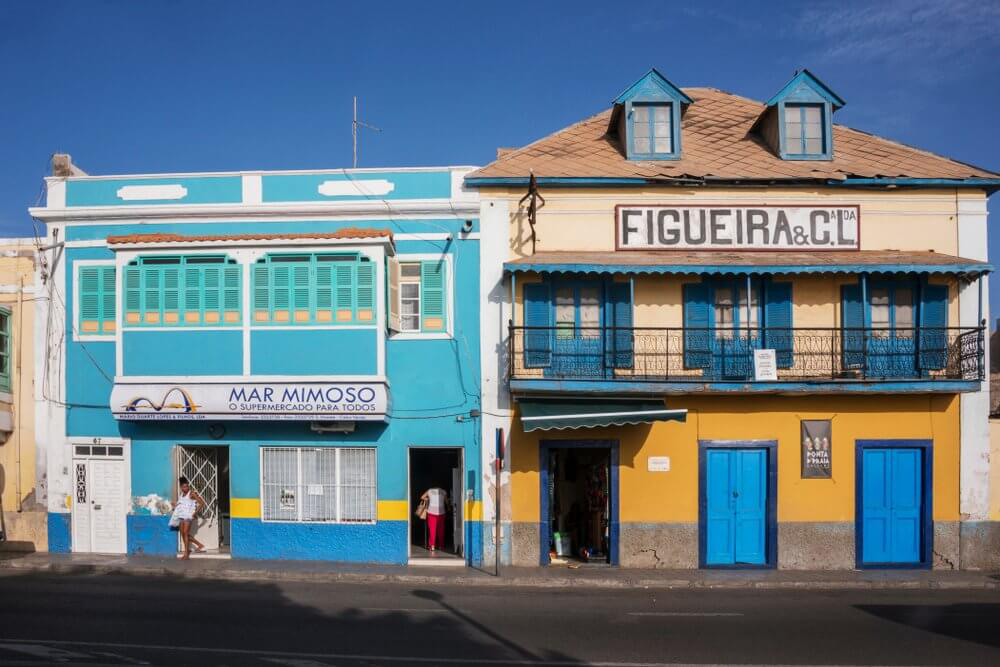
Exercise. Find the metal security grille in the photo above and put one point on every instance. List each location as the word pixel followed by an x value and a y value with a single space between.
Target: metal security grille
pixel 201 467
pixel 318 484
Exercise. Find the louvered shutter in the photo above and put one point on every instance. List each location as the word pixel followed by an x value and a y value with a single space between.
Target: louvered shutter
pixel 108 300
pixel 432 295
pixel 133 295
pixel 344 274
pixel 853 322
pixel 192 295
pixel 392 268
pixel 90 300
pixel 933 320
pixel 778 321
pixel 171 295
pixel 366 292
pixel 152 303
pixel 324 292
pixel 620 345
pixel 212 294
pixel 537 313
pixel 281 290
pixel 261 293
pixel 232 295
pixel 301 287
pixel 697 325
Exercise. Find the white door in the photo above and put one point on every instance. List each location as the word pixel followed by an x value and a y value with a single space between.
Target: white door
pixel 99 507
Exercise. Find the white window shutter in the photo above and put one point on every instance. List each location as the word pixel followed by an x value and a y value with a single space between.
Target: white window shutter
pixel 393 306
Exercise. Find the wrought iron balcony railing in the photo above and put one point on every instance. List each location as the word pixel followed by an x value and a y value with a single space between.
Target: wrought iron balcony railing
pixel 644 354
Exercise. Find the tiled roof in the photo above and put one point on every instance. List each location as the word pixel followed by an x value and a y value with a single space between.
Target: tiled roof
pixel 716 143
pixel 348 233
pixel 739 262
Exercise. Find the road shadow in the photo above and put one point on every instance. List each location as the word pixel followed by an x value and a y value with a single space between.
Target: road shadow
pixel 972 622
pixel 178 620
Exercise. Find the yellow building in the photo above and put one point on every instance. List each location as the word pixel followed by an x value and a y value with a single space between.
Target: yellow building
pixel 737 335
pixel 22 520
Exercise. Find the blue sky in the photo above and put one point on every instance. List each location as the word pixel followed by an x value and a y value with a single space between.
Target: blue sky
pixel 140 87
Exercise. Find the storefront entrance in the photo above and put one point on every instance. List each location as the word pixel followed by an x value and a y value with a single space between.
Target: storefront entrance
pixel 100 477
pixel 437 468
pixel 207 469
pixel 579 502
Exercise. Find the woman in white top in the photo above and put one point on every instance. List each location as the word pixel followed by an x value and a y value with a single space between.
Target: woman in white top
pixel 188 505
pixel 437 508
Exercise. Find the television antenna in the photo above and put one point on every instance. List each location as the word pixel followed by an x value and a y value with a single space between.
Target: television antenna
pixel 356 125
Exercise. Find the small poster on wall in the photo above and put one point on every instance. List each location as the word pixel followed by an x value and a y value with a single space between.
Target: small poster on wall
pixel 817 440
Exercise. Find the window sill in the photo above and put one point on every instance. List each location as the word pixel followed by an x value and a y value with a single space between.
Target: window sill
pixel 319 523
pixel 413 335
pixel 95 338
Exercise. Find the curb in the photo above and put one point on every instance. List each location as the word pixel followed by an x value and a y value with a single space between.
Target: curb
pixel 414 578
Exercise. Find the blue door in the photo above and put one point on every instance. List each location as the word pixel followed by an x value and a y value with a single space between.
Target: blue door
pixel 736 506
pixel 892 505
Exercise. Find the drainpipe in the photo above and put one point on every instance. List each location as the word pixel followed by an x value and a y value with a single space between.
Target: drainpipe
pixel 17 388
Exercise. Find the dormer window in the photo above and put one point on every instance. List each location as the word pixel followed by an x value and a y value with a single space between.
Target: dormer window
pixel 652 129
pixel 804 132
pixel 646 119
pixel 797 122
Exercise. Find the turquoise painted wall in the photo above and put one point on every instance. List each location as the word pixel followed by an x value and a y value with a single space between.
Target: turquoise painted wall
pixel 200 190
pixel 406 185
pixel 311 352
pixel 187 352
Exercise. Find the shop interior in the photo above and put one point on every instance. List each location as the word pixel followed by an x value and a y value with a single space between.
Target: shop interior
pixel 441 468
pixel 579 505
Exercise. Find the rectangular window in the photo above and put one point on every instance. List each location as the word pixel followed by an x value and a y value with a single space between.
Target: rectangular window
pixel 313 289
pixel 804 129
pixel 4 349
pixel 652 129
pixel 96 290
pixel 731 315
pixel 187 291
pixel 318 484
pixel 423 296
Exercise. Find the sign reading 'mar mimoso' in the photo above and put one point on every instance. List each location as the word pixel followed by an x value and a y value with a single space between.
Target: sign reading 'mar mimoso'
pixel 737 227
pixel 312 401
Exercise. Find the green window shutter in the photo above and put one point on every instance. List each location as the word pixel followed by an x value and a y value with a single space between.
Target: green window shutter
pixel 213 294
pixel 133 295
pixel 192 295
pixel 108 300
pixel 301 287
pixel 261 293
pixel 4 349
pixel 151 307
pixel 433 310
pixel 281 299
pixel 324 293
pixel 366 292
pixel 171 296
pixel 232 281
pixel 89 321
pixel 345 292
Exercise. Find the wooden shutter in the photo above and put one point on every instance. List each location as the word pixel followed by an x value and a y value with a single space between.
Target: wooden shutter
pixel 192 295
pixel 133 295
pixel 537 313
pixel 324 292
pixel 301 287
pixel 261 293
pixel 933 320
pixel 232 294
pixel 778 321
pixel 108 300
pixel 90 300
pixel 212 294
pixel 344 275
pixel 171 295
pixel 281 299
pixel 697 325
pixel 853 322
pixel 433 314
pixel 366 292
pixel 392 269
pixel 152 303
pixel 620 343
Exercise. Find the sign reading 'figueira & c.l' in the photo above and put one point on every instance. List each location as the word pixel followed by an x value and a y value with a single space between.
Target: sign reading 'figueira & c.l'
pixel 707 227
pixel 313 401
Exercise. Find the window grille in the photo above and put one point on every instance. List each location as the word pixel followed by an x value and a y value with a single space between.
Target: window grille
pixel 4 349
pixel 318 484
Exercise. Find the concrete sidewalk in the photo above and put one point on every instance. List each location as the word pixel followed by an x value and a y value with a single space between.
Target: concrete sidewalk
pixel 550 577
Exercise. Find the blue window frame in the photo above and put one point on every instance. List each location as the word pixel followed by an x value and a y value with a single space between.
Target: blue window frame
pixel 651 129
pixel 805 130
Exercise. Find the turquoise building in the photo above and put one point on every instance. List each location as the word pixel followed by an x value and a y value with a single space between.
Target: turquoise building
pixel 303 346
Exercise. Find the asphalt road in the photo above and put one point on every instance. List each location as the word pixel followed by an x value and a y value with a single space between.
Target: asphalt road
pixel 122 620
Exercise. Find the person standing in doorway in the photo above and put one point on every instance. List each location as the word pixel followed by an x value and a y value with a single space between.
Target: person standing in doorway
pixel 437 508
pixel 188 505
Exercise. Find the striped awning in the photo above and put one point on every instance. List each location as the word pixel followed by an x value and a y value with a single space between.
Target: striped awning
pixel 543 414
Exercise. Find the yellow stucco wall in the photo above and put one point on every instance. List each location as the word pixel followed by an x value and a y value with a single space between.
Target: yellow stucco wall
pixel 17 450
pixel 653 497
pixel 583 219
pixel 995 469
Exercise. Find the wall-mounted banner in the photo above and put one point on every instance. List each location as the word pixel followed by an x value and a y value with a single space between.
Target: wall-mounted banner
pixel 737 227
pixel 817 443
pixel 303 401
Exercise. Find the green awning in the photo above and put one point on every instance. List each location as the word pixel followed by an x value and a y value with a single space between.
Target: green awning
pixel 543 414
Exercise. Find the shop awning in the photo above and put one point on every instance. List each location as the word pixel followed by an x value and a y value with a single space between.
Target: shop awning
pixel 543 414
pixel 752 262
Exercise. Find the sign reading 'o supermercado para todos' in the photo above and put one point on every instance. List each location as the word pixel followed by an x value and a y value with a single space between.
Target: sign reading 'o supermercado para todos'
pixel 707 227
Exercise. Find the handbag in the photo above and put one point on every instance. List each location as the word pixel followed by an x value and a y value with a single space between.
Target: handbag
pixel 422 509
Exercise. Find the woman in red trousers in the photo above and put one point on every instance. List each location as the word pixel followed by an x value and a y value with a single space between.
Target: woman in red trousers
pixel 437 508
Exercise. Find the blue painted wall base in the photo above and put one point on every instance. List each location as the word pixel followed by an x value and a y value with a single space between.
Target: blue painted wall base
pixel 382 542
pixel 151 535
pixel 60 540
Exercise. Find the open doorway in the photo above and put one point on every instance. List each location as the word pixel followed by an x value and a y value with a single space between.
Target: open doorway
pixel 207 469
pixel 437 468
pixel 578 491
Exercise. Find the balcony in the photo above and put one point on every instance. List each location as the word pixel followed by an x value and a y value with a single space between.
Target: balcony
pixel 656 360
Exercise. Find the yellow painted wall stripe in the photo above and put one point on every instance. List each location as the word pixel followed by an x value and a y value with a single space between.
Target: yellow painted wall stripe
pixel 386 510
pixel 392 510
pixel 244 508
